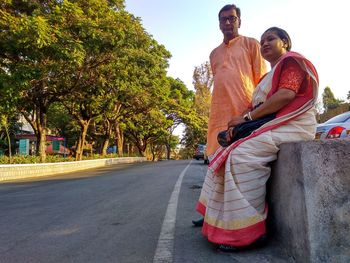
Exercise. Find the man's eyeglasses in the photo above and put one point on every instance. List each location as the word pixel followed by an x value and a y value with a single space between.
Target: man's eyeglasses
pixel 231 19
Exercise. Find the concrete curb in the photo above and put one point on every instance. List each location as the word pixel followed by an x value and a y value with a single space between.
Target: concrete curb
pixel 21 171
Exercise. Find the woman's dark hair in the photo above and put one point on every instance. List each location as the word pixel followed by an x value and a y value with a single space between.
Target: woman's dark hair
pixel 229 7
pixel 283 35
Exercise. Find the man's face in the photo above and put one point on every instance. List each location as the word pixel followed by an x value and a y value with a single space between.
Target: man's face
pixel 229 23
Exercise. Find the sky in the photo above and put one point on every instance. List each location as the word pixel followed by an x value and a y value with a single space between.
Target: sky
pixel 189 29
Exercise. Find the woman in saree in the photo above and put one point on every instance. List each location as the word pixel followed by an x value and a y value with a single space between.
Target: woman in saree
pixel 232 199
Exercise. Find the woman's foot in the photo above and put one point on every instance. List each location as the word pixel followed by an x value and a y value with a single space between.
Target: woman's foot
pixel 198 222
pixel 227 248
pixel 260 242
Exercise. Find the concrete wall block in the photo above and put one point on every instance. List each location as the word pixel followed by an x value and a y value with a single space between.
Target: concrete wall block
pixel 311 183
pixel 287 216
pixel 327 188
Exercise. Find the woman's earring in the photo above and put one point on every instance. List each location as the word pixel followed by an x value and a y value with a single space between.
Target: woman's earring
pixel 285 45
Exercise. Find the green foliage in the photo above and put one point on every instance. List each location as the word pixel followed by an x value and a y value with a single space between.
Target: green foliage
pixel 21 159
pixel 62 124
pixel 31 159
pixel 59 118
pixel 186 153
pixel 203 81
pixel 146 128
pixel 332 106
pixel 123 72
pixel 179 105
pixel 9 126
pixel 66 65
pixel 197 125
pixel 329 101
pixel 326 115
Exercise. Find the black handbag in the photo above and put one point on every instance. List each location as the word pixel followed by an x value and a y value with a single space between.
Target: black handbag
pixel 243 130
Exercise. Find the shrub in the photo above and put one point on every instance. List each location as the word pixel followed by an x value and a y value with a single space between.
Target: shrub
pixel 27 159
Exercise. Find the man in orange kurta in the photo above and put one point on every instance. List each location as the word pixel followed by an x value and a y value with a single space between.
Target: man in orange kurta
pixel 237 67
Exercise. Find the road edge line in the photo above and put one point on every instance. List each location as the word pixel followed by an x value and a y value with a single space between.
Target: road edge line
pixel 165 246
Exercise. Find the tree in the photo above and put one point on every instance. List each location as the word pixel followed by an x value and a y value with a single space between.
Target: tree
pixel 4 125
pixel 9 124
pixel 78 52
pixel 62 124
pixel 178 109
pixel 140 84
pixel 348 96
pixel 146 128
pixel 103 31
pixel 331 105
pixel 39 48
pixel 197 125
pixel 130 81
pixel 164 139
pixel 9 127
pixel 90 56
pixel 84 107
pixel 203 82
pixel 329 101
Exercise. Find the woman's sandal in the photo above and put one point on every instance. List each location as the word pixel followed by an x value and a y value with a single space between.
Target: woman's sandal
pixel 229 249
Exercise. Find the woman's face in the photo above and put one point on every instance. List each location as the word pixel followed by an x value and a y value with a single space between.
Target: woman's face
pixel 272 47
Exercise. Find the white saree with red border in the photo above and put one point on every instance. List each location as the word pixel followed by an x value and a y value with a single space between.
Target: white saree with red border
pixel 232 199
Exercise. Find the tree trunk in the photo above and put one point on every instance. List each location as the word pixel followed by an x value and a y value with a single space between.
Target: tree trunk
pixel 84 125
pixel 105 146
pixel 78 148
pixel 167 145
pixel 141 151
pixel 120 139
pixel 9 143
pixel 41 138
pixel 107 137
pixel 141 148
pixel 38 119
pixel 153 152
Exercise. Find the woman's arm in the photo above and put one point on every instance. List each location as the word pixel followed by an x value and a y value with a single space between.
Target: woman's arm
pixel 276 102
pixel 291 79
pixel 273 104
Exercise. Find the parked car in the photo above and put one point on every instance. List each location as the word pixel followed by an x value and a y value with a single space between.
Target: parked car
pixel 336 127
pixel 199 154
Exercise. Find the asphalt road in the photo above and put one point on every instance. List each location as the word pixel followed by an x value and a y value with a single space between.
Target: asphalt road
pixel 114 214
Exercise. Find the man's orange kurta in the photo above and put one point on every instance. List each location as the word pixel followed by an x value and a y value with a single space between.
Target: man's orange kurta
pixel 237 68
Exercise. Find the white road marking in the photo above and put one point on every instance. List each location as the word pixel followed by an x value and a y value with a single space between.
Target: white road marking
pixel 165 246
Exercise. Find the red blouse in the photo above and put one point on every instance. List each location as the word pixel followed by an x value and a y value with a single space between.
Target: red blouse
pixel 292 76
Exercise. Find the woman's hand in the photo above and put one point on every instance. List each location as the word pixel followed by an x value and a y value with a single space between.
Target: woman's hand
pixel 229 134
pixel 235 121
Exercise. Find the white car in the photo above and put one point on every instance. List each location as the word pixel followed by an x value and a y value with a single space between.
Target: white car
pixel 336 127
